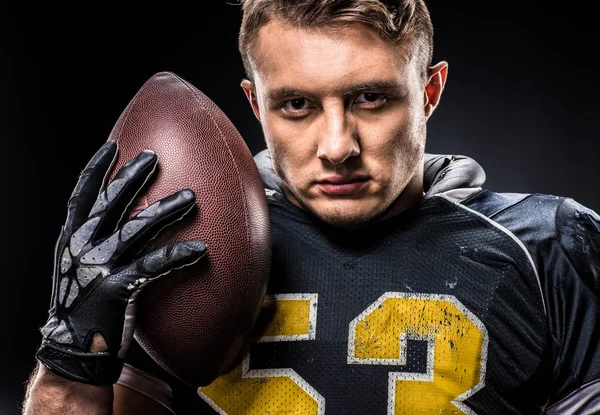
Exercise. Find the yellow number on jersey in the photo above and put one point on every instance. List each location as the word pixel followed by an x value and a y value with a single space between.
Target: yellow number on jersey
pixel 456 358
pixel 293 317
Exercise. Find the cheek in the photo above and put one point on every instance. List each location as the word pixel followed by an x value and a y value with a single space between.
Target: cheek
pixel 386 137
pixel 289 146
pixel 409 147
pixel 394 145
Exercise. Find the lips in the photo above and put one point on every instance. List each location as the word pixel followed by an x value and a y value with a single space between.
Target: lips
pixel 342 185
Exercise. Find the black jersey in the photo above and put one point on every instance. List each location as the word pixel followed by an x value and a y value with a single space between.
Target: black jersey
pixel 487 305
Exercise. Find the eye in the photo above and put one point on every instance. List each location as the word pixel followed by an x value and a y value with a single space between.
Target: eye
pixel 371 99
pixel 296 107
pixel 295 104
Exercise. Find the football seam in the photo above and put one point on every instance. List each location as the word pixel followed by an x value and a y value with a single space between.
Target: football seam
pixel 246 219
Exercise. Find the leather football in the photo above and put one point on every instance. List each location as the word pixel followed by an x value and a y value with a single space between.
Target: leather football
pixel 194 321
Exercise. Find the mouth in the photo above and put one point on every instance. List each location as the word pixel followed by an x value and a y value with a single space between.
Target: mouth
pixel 343 185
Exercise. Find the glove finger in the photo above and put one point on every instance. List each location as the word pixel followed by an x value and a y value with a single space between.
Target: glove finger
pixel 162 261
pixel 138 231
pixel 150 267
pixel 89 184
pixel 111 204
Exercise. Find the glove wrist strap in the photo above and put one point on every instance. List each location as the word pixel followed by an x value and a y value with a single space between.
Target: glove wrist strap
pixel 92 368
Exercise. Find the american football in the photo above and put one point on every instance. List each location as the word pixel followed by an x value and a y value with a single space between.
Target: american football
pixel 194 321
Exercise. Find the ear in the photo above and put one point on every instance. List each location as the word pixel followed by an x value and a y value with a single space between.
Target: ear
pixel 251 95
pixel 435 86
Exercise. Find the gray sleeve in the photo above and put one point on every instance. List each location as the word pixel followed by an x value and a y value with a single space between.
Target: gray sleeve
pixel 265 168
pixel 147 385
pixel 583 401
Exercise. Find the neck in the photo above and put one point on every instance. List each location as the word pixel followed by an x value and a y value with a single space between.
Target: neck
pixel 410 197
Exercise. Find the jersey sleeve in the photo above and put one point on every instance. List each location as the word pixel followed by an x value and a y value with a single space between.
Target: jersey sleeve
pixel 148 385
pixel 563 239
pixel 572 273
pixel 142 374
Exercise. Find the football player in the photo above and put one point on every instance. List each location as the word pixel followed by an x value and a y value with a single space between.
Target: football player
pixel 389 293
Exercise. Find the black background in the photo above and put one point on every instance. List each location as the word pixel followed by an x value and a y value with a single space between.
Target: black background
pixel 521 99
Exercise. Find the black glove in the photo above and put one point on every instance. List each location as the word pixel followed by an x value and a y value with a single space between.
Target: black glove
pixel 96 274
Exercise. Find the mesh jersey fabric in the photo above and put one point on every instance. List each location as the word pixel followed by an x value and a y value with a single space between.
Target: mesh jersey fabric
pixel 438 309
pixel 487 306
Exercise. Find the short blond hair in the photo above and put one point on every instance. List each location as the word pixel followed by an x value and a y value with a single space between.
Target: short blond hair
pixel 400 21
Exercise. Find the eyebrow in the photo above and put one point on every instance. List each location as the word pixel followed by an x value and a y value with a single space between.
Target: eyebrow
pixel 280 94
pixel 377 86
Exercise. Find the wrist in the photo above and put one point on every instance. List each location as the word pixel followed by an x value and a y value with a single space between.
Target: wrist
pixel 94 368
pixel 49 393
pixel 52 381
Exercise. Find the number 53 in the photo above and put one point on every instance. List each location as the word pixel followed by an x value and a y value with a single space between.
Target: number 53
pixel 456 357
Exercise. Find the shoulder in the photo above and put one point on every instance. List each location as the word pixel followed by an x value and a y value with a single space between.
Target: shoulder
pixel 563 239
pixel 544 207
pixel 549 226
pixel 497 205
pixel 532 218
pixel 540 217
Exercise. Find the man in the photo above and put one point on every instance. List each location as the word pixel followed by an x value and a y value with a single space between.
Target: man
pixel 459 301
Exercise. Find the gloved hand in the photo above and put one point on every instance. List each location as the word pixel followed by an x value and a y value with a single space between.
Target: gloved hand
pixel 97 276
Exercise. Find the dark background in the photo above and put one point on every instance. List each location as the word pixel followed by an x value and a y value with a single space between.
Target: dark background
pixel 521 99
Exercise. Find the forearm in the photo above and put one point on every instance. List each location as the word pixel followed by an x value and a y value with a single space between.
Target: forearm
pixel 50 394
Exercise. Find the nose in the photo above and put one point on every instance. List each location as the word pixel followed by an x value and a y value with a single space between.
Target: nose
pixel 338 138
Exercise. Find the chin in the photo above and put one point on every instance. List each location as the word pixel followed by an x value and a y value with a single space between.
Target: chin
pixel 342 213
pixel 347 214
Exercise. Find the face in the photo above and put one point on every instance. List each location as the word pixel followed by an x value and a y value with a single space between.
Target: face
pixel 343 113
